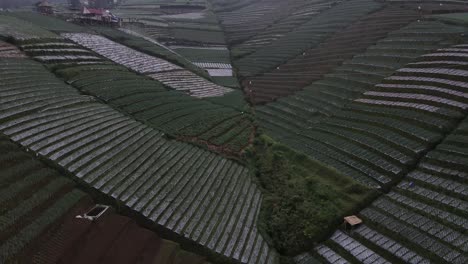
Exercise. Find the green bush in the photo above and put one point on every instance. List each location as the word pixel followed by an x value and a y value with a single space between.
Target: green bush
pixel 304 200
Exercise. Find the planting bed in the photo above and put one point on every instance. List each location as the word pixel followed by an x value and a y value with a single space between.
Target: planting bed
pixel 9 51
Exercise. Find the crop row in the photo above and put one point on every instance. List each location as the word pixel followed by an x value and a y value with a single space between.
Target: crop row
pixel 207 199
pixel 214 65
pixel 356 249
pixel 9 51
pixel 220 73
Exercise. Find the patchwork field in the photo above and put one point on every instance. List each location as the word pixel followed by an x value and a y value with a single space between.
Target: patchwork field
pixel 236 132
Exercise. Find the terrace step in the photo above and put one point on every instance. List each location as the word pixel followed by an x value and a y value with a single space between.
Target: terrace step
pixel 356 249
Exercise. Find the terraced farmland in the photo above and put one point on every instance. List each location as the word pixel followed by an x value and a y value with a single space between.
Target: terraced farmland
pixel 169 74
pixel 222 128
pixel 152 47
pixel 39 223
pixel 347 82
pixel 299 14
pixel 304 37
pixel 255 17
pixel 191 192
pixel 312 64
pixel 403 116
pixel 422 220
pixel 60 52
pixel 196 36
pixel 238 131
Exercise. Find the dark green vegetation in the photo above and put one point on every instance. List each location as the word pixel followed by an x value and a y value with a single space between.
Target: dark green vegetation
pixel 303 199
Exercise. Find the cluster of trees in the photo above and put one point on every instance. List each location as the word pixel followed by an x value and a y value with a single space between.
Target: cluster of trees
pixel 304 200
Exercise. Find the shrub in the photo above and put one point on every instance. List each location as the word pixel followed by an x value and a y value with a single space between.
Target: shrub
pixel 304 200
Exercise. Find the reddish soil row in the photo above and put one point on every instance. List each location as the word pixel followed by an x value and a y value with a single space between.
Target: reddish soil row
pixel 9 51
pixel 111 238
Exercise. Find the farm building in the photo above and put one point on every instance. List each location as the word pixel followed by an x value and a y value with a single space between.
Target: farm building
pixel 227 132
pixel 98 16
pixel 44 7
